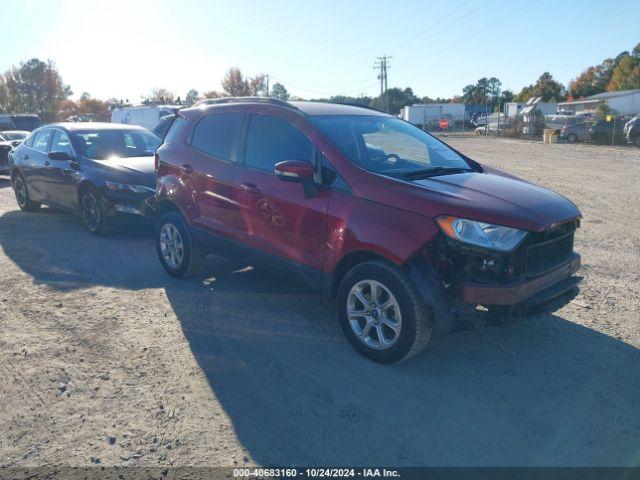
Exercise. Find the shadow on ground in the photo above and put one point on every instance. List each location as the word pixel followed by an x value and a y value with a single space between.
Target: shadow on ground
pixel 545 391
pixel 5 182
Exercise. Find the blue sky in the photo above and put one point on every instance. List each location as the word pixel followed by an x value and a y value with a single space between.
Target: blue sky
pixel 315 48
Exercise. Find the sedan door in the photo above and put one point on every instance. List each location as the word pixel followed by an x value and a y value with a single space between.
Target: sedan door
pixel 63 174
pixel 33 165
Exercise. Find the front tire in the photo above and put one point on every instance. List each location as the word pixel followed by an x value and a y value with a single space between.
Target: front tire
pixel 178 252
pixel 92 212
pixel 381 313
pixel 22 194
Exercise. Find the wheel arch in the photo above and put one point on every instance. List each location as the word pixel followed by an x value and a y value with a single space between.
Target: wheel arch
pixel 349 261
pixel 165 205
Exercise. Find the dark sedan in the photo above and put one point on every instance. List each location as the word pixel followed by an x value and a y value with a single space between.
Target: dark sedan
pixel 100 170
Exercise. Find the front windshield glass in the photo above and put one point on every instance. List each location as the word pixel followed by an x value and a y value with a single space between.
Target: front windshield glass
pixel 388 145
pixel 103 144
pixel 14 135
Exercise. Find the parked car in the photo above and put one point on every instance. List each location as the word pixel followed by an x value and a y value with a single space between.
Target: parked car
pixel 392 222
pixel 578 132
pixel 27 122
pixel 5 148
pixel 602 131
pixel 164 124
pixel 632 131
pixel 99 170
pixel 14 136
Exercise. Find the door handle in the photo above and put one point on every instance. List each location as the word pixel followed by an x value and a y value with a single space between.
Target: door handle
pixel 26 157
pixel 186 168
pixel 250 188
pixel 47 163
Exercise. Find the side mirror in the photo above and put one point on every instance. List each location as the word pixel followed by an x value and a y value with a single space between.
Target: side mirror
pixel 62 156
pixel 294 171
pixel 297 171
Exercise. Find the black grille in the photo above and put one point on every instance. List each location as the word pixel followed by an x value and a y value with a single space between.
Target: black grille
pixel 545 256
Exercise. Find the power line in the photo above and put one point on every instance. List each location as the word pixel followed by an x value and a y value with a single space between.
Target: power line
pixel 434 24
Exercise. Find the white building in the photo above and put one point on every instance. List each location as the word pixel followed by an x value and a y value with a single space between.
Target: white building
pixel 426 114
pixel 625 102
pixel 144 115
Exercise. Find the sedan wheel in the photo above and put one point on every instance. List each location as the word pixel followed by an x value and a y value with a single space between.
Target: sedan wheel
pixel 22 195
pixel 572 138
pixel 92 212
pixel 374 314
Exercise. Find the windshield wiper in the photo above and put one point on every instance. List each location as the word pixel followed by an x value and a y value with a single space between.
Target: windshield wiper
pixel 435 171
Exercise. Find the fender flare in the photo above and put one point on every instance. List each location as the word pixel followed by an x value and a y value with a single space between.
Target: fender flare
pixel 432 292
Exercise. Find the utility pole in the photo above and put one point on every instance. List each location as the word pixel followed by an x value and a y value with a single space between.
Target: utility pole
pixel 382 64
pixel 267 75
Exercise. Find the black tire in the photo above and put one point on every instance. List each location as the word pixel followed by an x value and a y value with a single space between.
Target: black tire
pixel 415 325
pixel 636 141
pixel 192 256
pixel 92 212
pixel 22 194
pixel 572 138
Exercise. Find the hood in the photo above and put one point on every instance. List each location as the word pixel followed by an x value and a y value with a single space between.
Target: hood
pixel 491 196
pixel 137 170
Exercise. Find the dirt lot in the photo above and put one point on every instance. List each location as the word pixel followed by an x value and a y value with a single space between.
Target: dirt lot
pixel 105 359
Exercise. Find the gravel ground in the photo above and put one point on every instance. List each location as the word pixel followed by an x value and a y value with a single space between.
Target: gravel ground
pixel 106 360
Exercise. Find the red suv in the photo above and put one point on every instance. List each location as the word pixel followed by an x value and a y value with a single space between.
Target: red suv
pixel 397 226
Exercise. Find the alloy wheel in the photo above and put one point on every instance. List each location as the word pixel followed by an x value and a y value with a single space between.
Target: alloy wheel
pixel 374 314
pixel 21 191
pixel 171 245
pixel 91 213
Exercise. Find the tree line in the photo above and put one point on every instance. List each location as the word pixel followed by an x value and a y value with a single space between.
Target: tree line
pixel 37 87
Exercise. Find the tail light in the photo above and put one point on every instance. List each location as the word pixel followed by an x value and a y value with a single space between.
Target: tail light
pixel 156 161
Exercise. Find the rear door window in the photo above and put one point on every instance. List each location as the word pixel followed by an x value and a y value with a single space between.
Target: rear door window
pixel 217 135
pixel 41 141
pixel 271 140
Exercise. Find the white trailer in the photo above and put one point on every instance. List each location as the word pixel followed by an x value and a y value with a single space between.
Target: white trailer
pixel 145 116
pixel 430 113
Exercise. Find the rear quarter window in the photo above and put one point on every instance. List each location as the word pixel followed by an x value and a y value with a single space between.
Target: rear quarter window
pixel 217 135
pixel 177 130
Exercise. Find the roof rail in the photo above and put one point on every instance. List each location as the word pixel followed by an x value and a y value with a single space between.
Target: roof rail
pixel 222 100
pixel 354 104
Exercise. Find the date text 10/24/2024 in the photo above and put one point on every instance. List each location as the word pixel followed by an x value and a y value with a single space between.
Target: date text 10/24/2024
pixel 316 473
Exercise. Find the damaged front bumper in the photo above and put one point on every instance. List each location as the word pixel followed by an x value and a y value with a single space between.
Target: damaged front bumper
pixel 531 291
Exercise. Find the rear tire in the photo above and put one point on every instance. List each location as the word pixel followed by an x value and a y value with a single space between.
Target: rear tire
pixel 636 141
pixel 388 334
pixel 22 194
pixel 178 252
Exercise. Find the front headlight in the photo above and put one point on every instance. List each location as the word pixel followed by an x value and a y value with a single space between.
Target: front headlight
pixel 486 235
pixel 126 187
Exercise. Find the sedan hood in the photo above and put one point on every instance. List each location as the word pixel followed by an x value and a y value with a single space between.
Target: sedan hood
pixel 491 196
pixel 134 170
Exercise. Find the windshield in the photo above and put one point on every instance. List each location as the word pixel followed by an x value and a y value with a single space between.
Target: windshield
pixel 388 145
pixel 103 144
pixel 14 135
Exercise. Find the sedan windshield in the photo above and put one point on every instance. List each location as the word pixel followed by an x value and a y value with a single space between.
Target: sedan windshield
pixel 389 145
pixel 103 144
pixel 11 136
